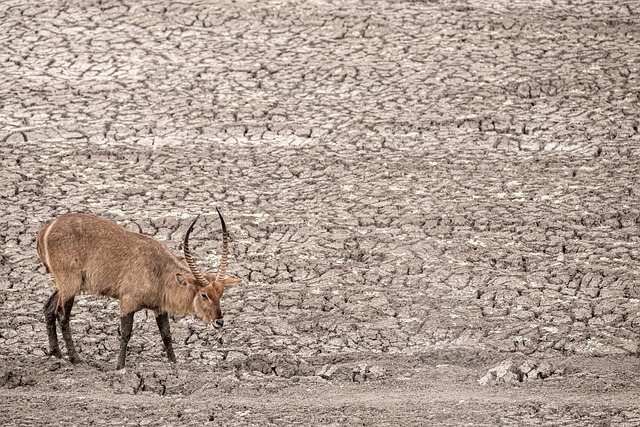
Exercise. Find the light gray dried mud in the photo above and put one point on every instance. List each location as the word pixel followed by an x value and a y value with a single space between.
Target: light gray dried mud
pixel 419 194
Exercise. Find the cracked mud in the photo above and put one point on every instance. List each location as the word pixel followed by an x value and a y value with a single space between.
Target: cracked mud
pixel 434 208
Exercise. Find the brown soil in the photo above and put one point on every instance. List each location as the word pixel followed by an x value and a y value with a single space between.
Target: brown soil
pixel 417 193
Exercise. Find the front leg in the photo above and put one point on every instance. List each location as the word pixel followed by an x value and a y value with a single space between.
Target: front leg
pixel 126 326
pixel 165 332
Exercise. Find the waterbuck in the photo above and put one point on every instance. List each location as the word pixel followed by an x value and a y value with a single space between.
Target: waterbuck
pixel 91 254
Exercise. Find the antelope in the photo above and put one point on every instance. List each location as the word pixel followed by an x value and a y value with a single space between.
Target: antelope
pixel 88 253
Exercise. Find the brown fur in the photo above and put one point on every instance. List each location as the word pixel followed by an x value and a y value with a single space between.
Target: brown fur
pixel 91 254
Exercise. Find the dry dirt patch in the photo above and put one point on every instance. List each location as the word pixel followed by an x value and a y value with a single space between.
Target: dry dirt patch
pixel 417 193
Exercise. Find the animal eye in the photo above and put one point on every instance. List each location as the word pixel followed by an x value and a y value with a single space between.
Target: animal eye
pixel 204 296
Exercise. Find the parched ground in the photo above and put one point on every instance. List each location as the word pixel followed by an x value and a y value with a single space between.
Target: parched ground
pixel 434 207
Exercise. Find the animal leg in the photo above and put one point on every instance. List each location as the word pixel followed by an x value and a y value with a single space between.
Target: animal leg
pixel 126 326
pixel 50 318
pixel 63 319
pixel 165 332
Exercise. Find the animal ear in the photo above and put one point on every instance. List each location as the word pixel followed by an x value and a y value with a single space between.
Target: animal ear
pixel 230 282
pixel 186 280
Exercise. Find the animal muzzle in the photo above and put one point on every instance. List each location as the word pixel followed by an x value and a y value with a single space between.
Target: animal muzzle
pixel 218 323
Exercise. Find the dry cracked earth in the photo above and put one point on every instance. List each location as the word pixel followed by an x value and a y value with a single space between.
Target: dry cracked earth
pixel 434 207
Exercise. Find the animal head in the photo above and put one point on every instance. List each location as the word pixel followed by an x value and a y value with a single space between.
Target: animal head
pixel 208 288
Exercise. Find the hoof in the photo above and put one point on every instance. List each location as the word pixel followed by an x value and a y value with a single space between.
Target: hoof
pixel 55 353
pixel 75 359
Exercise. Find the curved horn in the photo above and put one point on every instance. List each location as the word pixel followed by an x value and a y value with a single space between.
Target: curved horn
pixel 187 256
pixel 222 269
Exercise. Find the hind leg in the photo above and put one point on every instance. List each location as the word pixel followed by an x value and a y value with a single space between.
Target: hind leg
pixel 63 319
pixel 50 318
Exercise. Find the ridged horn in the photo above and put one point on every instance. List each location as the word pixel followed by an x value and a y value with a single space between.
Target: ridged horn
pixel 222 269
pixel 187 256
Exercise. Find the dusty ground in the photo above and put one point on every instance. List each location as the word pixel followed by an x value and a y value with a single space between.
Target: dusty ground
pixel 416 191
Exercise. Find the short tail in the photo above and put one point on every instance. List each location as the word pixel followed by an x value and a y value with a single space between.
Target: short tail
pixel 39 247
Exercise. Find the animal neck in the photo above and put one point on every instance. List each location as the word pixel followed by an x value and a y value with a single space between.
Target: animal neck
pixel 178 299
